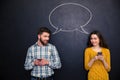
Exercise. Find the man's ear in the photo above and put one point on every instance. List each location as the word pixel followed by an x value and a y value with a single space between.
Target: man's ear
pixel 38 36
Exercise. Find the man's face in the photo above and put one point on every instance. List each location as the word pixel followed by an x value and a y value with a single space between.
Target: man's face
pixel 44 38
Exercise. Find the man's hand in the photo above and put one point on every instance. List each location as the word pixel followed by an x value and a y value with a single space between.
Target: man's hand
pixel 41 62
pixel 37 62
pixel 44 62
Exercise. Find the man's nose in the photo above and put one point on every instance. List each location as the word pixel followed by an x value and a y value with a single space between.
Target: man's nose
pixel 47 38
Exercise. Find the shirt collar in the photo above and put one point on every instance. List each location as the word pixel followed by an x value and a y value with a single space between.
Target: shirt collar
pixel 36 44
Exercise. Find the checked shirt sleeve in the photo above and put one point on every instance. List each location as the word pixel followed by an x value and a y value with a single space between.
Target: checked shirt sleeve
pixel 29 60
pixel 55 62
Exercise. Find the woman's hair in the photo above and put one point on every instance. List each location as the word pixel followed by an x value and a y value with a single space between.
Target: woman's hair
pixel 102 41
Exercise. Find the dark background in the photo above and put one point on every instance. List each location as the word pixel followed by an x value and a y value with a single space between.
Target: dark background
pixel 20 20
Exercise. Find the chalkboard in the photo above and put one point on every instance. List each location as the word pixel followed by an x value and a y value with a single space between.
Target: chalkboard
pixel 70 21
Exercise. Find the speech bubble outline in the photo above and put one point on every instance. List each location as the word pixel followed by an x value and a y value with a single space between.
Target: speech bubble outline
pixel 80 28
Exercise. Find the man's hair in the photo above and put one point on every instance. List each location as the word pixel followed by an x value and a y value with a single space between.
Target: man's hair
pixel 43 29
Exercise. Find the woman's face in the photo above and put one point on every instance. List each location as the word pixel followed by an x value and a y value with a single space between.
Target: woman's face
pixel 94 40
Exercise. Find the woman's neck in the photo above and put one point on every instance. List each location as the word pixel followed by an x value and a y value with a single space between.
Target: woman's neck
pixel 96 48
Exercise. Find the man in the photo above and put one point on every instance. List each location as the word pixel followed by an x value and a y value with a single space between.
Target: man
pixel 42 57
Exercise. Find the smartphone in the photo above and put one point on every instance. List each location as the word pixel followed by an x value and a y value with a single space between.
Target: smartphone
pixel 39 59
pixel 99 53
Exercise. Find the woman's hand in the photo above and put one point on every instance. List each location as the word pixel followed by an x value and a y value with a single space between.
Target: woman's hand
pixel 100 57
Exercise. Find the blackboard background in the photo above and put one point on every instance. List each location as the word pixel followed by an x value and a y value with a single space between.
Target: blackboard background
pixel 20 19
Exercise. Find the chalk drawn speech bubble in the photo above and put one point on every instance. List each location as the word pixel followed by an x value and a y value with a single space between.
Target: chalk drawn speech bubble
pixel 69 17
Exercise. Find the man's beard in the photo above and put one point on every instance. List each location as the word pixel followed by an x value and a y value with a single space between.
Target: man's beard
pixel 42 42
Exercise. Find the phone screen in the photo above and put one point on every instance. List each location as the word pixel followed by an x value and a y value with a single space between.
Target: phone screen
pixel 99 53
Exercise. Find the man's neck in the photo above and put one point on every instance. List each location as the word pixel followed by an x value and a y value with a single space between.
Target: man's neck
pixel 39 43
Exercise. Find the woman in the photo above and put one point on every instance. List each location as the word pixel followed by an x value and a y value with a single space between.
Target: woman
pixel 97 57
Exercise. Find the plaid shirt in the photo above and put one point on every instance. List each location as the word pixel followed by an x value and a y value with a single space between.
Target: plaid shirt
pixel 48 52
